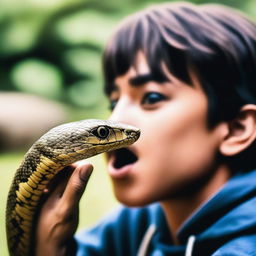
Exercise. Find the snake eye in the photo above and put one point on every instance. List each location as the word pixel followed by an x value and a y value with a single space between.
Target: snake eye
pixel 101 132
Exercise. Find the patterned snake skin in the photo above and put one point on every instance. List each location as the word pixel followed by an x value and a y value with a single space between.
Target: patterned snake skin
pixel 61 146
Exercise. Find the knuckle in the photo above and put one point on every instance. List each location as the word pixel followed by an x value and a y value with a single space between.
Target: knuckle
pixel 77 187
pixel 65 213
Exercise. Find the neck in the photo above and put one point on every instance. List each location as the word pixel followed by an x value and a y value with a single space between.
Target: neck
pixel 179 208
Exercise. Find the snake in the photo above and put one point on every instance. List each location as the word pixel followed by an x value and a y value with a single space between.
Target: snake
pixel 51 153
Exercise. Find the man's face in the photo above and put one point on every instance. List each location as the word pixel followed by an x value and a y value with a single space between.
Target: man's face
pixel 176 148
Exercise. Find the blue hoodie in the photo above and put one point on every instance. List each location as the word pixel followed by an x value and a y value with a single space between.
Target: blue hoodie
pixel 223 226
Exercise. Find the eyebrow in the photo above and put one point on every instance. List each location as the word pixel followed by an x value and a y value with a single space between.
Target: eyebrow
pixel 141 79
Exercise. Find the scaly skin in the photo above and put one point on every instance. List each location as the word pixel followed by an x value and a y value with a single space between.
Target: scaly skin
pixel 58 148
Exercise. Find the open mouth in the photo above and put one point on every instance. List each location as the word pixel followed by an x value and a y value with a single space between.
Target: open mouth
pixel 123 157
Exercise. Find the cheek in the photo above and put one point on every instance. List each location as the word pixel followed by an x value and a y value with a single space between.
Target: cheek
pixel 181 144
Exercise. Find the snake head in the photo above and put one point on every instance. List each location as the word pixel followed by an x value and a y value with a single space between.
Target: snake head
pixel 82 139
pixel 106 135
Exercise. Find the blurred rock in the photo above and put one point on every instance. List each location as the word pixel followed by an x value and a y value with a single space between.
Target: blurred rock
pixel 24 118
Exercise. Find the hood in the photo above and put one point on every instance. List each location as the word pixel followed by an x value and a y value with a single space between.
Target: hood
pixel 228 215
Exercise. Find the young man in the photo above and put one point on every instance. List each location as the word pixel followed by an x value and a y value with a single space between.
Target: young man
pixel 185 75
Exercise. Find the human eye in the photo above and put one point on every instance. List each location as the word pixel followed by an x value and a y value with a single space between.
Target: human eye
pixel 151 98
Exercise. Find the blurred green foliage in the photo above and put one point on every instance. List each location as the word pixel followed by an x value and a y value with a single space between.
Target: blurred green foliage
pixel 53 48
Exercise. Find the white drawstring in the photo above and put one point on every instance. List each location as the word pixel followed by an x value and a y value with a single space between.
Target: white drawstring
pixel 146 240
pixel 148 237
pixel 190 245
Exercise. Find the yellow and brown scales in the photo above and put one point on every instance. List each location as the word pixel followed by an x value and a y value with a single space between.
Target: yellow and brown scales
pixel 58 148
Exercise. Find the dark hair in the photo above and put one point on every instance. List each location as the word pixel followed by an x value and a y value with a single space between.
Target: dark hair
pixel 217 43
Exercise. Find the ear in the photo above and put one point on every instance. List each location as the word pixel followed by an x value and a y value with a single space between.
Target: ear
pixel 241 132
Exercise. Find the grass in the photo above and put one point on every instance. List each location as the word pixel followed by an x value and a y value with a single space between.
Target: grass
pixel 97 200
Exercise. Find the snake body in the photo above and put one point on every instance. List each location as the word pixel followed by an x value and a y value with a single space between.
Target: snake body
pixel 56 149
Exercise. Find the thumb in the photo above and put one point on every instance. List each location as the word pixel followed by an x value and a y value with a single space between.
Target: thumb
pixel 77 184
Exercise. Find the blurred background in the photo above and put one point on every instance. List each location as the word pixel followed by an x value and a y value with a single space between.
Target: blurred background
pixel 50 73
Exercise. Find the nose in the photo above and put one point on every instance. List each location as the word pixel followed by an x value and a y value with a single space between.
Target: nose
pixel 123 112
pixel 118 113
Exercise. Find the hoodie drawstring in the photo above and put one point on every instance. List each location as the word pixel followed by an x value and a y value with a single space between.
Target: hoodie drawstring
pixel 149 235
pixel 190 245
pixel 146 240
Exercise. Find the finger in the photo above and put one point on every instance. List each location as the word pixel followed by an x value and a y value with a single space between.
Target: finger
pixel 55 189
pixel 76 185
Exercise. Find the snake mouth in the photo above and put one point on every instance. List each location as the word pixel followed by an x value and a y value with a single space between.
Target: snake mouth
pixel 122 157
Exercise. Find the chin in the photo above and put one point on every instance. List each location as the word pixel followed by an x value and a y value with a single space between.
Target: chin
pixel 132 199
pixel 133 203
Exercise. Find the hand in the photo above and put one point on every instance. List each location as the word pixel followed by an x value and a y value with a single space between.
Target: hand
pixel 58 217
